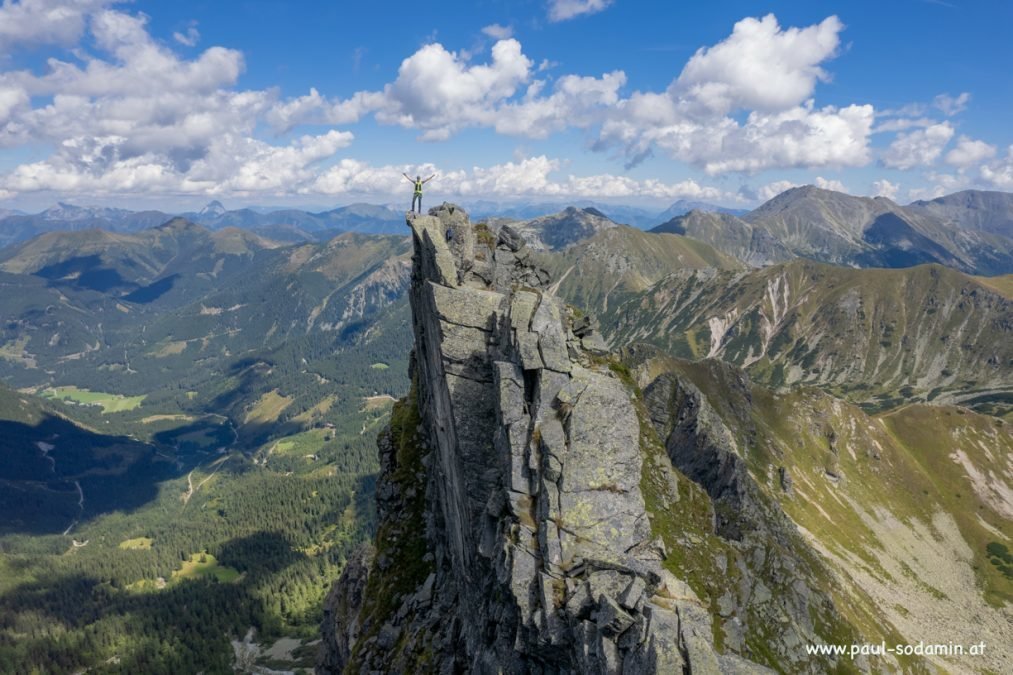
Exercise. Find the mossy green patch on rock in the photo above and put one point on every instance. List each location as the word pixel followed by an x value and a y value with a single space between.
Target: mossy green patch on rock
pixel 399 565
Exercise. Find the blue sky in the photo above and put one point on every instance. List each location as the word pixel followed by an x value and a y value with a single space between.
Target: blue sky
pixel 263 102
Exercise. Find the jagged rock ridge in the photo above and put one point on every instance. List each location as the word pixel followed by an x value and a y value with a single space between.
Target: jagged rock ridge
pixel 537 552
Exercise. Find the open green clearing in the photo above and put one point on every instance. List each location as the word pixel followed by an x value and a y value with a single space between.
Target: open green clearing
pixel 137 544
pixel 110 403
pixel 205 565
pixel 305 443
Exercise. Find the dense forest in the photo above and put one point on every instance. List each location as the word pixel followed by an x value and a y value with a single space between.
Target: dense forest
pixel 192 474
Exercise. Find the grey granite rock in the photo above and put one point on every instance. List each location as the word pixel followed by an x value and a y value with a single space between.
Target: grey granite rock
pixel 536 526
pixel 511 238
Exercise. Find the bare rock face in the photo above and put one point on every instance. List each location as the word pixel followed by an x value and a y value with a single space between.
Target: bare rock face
pixel 538 546
pixel 340 629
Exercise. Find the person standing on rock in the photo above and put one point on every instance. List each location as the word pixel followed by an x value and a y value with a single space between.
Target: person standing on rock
pixel 418 182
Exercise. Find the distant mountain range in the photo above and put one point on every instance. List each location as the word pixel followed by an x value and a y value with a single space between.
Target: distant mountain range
pixel 684 206
pixel 287 225
pixel 971 231
pixel 131 311
pixel 973 210
pixel 643 218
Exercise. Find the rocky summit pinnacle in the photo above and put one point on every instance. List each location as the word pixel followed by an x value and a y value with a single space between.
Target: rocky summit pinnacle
pixel 513 532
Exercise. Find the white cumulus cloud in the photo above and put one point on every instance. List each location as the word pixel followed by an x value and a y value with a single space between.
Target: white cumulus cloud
pixel 951 105
pixel 190 38
pixel 999 174
pixel 884 188
pixel 538 176
pixel 830 184
pixel 760 66
pixel 574 102
pixel 437 91
pixel 126 112
pixel 563 10
pixel 798 137
pixel 12 99
pixel 918 148
pixel 131 116
pixel 769 71
pixel 59 22
pixel 969 152
pixel 497 31
pixel 773 189
pixel 233 164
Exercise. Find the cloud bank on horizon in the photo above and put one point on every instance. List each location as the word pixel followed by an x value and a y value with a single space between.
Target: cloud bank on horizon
pixel 118 112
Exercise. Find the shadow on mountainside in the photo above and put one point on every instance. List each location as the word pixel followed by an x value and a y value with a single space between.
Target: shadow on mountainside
pixel 55 473
pixel 75 621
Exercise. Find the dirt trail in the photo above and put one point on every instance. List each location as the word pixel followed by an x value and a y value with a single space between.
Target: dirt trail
pixel 80 508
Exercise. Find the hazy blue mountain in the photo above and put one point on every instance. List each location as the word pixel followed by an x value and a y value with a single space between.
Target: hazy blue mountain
pixel 684 206
pixel 213 209
pixel 974 210
pixel 365 218
pixel 353 217
pixel 621 213
pixel 969 230
pixel 287 224
pixel 67 217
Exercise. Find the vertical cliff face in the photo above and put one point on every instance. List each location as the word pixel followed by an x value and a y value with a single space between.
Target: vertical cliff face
pixel 514 532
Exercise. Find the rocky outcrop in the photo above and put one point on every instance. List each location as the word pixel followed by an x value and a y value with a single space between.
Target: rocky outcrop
pixel 774 559
pixel 340 628
pixel 536 549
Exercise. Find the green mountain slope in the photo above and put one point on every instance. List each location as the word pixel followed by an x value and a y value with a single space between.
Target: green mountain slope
pixel 729 234
pixel 162 265
pixel 878 337
pixel 910 509
pixel 601 272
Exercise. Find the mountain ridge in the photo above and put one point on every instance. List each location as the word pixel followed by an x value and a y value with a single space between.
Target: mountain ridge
pixel 969 230
pixel 875 232
pixel 879 337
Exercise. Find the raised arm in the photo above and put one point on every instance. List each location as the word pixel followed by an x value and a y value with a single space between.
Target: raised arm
pixel 408 178
pixel 430 178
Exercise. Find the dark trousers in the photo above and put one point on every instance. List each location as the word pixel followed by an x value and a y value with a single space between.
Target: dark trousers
pixel 417 198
